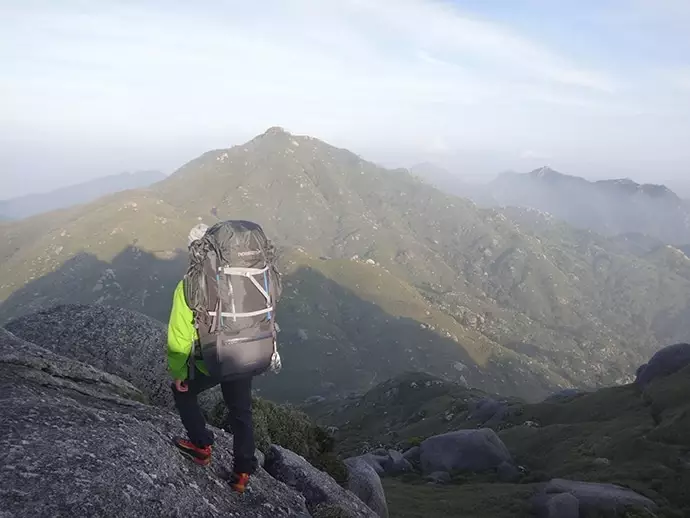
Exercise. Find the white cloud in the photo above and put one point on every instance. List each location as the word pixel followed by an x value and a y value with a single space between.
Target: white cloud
pixel 529 154
pixel 411 74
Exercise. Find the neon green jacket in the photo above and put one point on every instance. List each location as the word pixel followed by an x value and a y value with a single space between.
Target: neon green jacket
pixel 181 335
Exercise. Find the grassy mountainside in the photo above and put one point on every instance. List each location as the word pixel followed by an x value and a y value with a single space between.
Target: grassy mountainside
pixel 622 435
pixel 462 292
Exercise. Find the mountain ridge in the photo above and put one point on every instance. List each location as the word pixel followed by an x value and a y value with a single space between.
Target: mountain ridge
pixel 557 308
pixel 75 194
pixel 609 207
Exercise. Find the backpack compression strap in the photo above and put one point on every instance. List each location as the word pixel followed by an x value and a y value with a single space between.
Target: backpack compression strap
pixel 250 274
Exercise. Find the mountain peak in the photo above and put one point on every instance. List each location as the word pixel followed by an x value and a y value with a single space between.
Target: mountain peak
pixel 276 130
pixel 550 175
pixel 545 171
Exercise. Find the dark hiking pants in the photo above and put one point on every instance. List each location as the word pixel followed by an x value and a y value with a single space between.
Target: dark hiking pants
pixel 238 397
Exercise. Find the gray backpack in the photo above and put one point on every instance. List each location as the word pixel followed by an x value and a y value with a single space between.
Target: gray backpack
pixel 232 287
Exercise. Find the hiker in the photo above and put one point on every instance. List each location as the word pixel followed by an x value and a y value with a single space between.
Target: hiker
pixel 222 331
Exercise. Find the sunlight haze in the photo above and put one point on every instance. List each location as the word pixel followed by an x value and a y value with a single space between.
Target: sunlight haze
pixel 595 88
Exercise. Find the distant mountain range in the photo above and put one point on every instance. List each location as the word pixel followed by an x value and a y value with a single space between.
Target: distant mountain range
pixel 32 204
pixel 608 207
pixel 383 273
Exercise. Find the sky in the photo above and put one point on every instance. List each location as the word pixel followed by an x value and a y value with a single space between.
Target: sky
pixel 596 88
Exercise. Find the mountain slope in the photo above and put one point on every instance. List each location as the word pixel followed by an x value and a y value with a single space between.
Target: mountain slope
pixel 477 297
pixel 629 435
pixel 32 204
pixel 609 207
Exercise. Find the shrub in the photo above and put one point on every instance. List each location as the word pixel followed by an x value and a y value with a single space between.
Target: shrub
pixel 292 429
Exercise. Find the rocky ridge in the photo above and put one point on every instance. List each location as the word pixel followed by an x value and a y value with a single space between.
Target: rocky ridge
pixel 518 311
pixel 83 442
pixel 71 422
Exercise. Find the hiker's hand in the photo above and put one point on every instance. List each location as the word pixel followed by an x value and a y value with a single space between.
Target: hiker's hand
pixel 181 386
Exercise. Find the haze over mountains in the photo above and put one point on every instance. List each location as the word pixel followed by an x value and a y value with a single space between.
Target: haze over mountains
pixel 32 204
pixel 384 273
pixel 608 207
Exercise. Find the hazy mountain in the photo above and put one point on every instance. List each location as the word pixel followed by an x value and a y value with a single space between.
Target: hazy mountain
pixel 609 207
pixel 384 273
pixel 452 183
pixel 32 204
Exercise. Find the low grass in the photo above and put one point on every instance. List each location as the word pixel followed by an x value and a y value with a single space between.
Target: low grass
pixel 421 500
pixel 636 438
pixel 292 429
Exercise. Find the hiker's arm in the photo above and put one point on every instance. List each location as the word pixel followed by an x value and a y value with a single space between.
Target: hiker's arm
pixel 181 335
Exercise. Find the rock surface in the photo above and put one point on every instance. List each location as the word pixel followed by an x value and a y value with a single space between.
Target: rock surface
pixel 77 442
pixel 464 450
pixel 375 461
pixel 125 343
pixel 395 463
pixel 665 362
pixel 439 477
pixel 591 498
pixel 318 488
pixel 364 482
pixel 563 505
pixel 507 472
pixel 412 455
pixel 485 409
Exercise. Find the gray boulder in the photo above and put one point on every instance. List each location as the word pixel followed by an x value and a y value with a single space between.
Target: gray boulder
pixel 395 463
pixel 508 472
pixel 562 505
pixel 438 477
pixel 592 498
pixel 664 363
pixel 412 455
pixel 77 441
pixel 464 450
pixel 364 482
pixel 485 409
pixel 375 461
pixel 118 341
pixel 318 488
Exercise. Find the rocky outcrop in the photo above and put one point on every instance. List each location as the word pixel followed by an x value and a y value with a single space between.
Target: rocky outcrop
pixel 395 463
pixel 412 455
pixel 665 362
pixel 487 409
pixel 125 343
pixel 464 450
pixel 438 477
pixel 375 461
pixel 319 489
pixel 562 505
pixel 566 498
pixel 77 441
pixel 364 482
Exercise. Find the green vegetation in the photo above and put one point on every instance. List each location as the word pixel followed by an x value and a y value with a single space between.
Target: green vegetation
pixel 621 435
pixel 290 428
pixel 420 500
pixel 512 307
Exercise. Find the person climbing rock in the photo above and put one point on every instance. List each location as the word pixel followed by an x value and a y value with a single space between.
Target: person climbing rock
pixel 222 330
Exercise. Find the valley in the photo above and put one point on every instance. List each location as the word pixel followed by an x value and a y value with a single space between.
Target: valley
pixel 384 273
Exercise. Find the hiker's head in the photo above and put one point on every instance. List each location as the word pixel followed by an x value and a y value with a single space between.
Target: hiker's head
pixel 196 233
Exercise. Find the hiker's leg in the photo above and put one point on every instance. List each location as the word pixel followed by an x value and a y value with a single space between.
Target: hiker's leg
pixel 190 412
pixel 238 397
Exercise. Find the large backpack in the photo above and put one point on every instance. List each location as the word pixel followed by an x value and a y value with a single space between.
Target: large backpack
pixel 232 286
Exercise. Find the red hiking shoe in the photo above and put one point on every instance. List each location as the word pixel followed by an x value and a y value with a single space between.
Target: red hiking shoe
pixel 239 481
pixel 201 456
